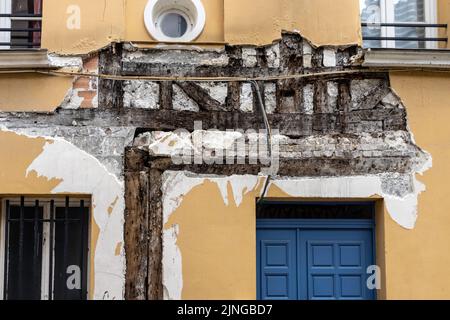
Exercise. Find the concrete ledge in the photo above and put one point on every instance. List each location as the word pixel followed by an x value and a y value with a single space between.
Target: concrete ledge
pixel 23 59
pixel 407 58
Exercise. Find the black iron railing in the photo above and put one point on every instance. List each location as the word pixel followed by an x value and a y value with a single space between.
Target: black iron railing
pixel 22 37
pixel 406 34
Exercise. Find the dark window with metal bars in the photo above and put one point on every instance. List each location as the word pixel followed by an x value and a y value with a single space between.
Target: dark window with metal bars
pixel 20 24
pixel 45 249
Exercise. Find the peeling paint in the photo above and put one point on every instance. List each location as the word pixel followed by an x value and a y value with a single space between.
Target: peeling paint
pixel 111 207
pixel 400 199
pixel 118 250
pixel 80 173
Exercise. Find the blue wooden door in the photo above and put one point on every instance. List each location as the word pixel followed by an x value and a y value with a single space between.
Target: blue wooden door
pixel 277 263
pixel 314 259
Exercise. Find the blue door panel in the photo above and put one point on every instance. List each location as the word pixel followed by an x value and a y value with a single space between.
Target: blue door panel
pixel 336 262
pixel 314 264
pixel 277 264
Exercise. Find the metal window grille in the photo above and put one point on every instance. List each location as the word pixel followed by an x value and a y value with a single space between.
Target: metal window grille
pixel 45 249
pixel 401 24
pixel 367 37
pixel 20 24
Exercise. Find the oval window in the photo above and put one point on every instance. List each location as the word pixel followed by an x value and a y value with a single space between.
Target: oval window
pixel 174 20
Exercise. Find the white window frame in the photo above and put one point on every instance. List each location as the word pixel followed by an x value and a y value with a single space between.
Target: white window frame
pixel 388 16
pixel 45 204
pixel 192 10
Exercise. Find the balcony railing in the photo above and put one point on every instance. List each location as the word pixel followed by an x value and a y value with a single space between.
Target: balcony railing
pixel 21 37
pixel 378 37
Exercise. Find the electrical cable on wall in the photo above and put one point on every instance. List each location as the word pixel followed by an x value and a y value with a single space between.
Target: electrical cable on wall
pixel 215 79
pixel 268 135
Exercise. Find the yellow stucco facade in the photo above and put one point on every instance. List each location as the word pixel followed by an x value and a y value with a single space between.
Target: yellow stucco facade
pixel 229 21
pixel 223 251
pixel 425 247
pixel 443 9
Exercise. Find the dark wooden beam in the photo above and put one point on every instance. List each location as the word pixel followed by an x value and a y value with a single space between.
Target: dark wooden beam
pixel 137 202
pixel 294 125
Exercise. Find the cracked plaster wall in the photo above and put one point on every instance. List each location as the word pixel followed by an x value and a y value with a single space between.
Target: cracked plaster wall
pixel 372 145
pixel 47 165
pixel 358 120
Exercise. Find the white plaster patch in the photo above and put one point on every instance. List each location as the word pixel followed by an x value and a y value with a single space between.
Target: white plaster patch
pixel 141 94
pixel 307 49
pixel 273 56
pixel 182 102
pixel 215 139
pixel 183 56
pixel 307 55
pixel 168 143
pixel 333 93
pixel 329 58
pixel 65 61
pixel 81 173
pixel 242 185
pixel 392 100
pixel 216 90
pixel 220 61
pixel 72 100
pixel 246 98
pixel 160 143
pixel 308 99
pixel 403 210
pixel 172 268
pixel 270 97
pixel 249 59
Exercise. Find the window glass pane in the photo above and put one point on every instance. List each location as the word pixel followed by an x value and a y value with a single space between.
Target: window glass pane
pixel 21 6
pixel 409 11
pixel 393 11
pixel 371 13
pixel 71 274
pixel 173 25
pixel 24 279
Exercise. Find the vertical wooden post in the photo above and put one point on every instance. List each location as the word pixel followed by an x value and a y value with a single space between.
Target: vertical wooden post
pixel 155 288
pixel 137 200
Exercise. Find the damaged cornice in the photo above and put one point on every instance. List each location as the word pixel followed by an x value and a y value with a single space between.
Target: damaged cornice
pixel 24 59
